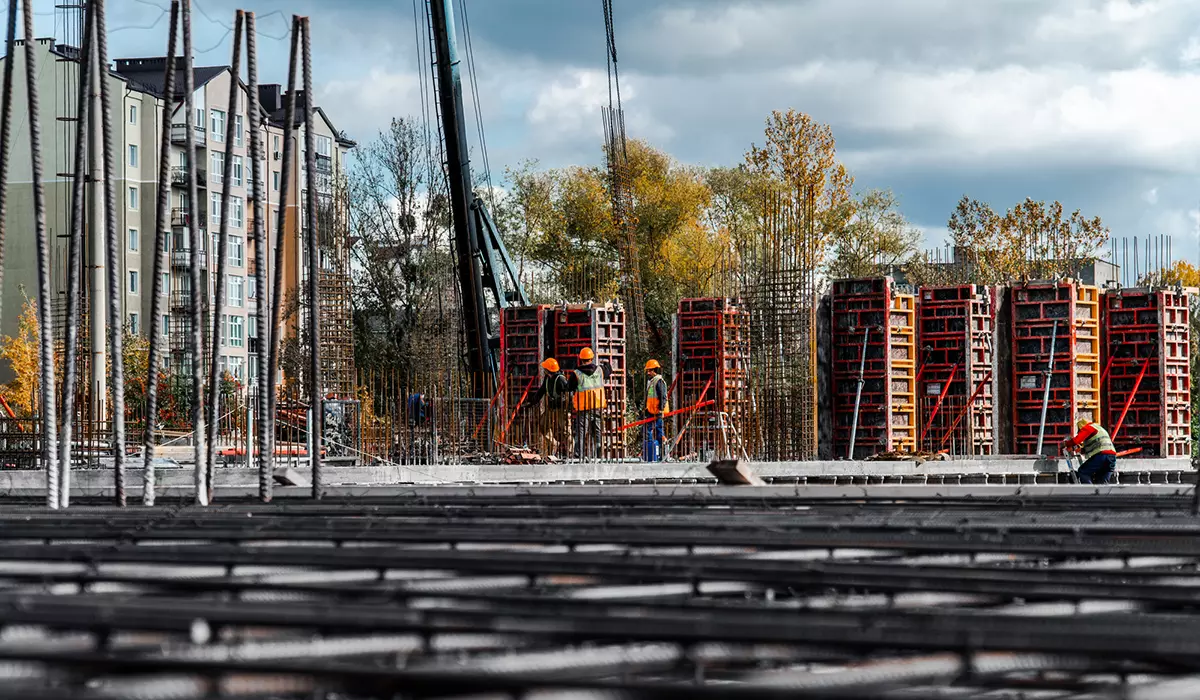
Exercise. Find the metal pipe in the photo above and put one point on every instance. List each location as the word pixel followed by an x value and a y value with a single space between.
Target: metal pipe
pixel 199 288
pixel 74 253
pixel 862 369
pixel 315 389
pixel 217 315
pixel 49 407
pixel 162 225
pixel 275 332
pixel 258 199
pixel 1046 393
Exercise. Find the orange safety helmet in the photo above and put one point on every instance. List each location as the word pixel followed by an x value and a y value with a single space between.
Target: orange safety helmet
pixel 550 364
pixel 652 364
pixel 586 354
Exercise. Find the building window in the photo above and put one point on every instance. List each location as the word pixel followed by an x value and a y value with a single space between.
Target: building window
pixel 200 118
pixel 251 288
pixel 133 198
pixel 214 209
pixel 276 146
pixel 133 240
pixel 236 367
pixel 133 324
pixel 253 375
pixel 252 326
pixel 218 125
pixel 325 146
pixel 237 331
pixel 166 283
pixel 237 171
pixel 166 325
pixel 235 285
pixel 133 155
pixel 238 211
pixel 217 166
pixel 133 281
pixel 237 130
pixel 133 114
pixel 237 251
pixel 275 180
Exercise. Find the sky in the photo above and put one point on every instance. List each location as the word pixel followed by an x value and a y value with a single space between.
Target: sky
pixel 1095 103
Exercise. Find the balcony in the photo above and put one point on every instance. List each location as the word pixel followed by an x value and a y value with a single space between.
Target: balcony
pixel 179 176
pixel 183 259
pixel 324 165
pixel 180 218
pixel 180 301
pixel 179 134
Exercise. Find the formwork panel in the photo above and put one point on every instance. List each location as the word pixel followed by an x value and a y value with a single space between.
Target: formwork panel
pixel 1146 378
pixel 1059 320
pixel 956 329
pixel 874 345
pixel 523 347
pixel 711 362
pixel 602 328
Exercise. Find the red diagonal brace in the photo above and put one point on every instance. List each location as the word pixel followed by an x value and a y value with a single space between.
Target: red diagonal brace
pixel 963 412
pixel 1132 394
pixel 938 406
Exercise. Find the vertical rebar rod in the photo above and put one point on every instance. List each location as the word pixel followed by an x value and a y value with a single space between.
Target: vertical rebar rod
pixel 113 260
pixel 199 289
pixel 214 369
pixel 1046 393
pixel 161 225
pixel 314 268
pixel 6 128
pixel 49 407
pixel 74 252
pixel 285 180
pixel 258 195
pixel 862 370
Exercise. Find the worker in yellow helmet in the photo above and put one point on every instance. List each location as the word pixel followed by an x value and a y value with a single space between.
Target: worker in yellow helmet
pixel 550 401
pixel 588 401
pixel 1097 451
pixel 657 404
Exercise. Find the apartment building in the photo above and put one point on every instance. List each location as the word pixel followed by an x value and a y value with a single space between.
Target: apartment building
pixel 136 86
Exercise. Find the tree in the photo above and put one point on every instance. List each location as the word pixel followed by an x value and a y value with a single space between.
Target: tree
pixel 1031 240
pixel 1181 273
pixel 398 213
pixel 876 239
pixel 22 353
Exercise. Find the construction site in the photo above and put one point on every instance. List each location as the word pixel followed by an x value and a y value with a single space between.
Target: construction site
pixel 864 486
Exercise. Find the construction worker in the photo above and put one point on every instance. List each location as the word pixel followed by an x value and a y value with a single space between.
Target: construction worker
pixel 656 405
pixel 1097 452
pixel 588 401
pixel 551 400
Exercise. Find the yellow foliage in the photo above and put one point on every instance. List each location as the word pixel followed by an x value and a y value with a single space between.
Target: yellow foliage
pixel 22 352
pixel 1181 273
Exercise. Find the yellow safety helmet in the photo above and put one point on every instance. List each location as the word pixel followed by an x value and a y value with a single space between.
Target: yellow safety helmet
pixel 550 364
pixel 586 354
pixel 1082 423
pixel 652 364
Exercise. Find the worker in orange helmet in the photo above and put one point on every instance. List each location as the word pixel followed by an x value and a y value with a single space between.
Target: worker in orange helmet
pixel 656 405
pixel 1097 451
pixel 550 401
pixel 588 401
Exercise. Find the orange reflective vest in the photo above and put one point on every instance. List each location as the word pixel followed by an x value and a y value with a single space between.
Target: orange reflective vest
pixel 655 386
pixel 589 394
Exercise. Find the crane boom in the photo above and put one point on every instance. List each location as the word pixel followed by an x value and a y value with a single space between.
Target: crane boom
pixel 483 264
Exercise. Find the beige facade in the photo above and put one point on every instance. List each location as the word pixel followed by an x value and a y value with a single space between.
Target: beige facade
pixel 137 107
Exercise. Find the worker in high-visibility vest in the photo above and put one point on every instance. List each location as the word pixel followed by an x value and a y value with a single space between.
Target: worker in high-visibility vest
pixel 550 401
pixel 657 404
pixel 588 401
pixel 1097 451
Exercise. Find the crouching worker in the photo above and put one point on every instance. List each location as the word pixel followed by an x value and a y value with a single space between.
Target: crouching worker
pixel 1096 450
pixel 551 401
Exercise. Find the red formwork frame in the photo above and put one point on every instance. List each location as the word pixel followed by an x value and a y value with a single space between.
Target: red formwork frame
pixel 1038 309
pixel 600 327
pixel 873 312
pixel 711 361
pixel 523 347
pixel 1147 337
pixel 955 347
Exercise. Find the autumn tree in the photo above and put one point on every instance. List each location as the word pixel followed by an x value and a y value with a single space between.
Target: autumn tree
pixel 875 240
pixel 22 353
pixel 1032 240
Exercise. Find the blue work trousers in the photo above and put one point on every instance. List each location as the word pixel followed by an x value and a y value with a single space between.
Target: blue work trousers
pixel 1098 470
pixel 652 445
